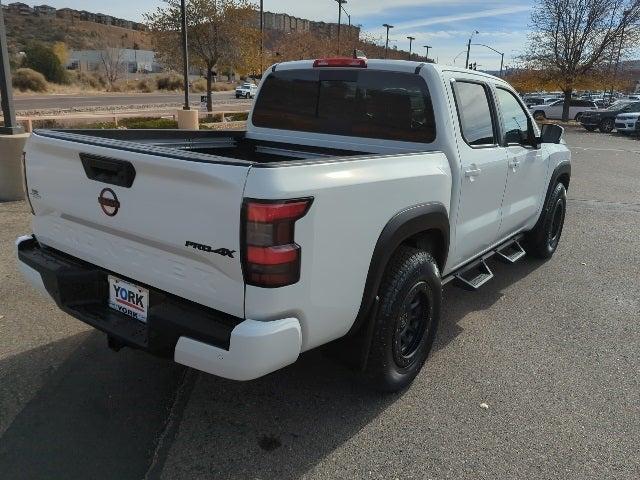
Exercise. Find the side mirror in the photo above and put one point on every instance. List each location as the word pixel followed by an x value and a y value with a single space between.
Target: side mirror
pixel 551 133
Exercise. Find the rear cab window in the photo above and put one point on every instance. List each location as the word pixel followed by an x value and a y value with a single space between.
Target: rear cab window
pixel 347 102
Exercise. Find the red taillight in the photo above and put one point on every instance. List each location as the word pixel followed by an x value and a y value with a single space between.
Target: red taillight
pixel 270 256
pixel 340 62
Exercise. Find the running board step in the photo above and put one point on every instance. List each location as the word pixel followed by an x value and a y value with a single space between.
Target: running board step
pixel 511 253
pixel 475 276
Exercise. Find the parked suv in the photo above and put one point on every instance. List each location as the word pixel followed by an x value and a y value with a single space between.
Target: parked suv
pixel 359 188
pixel 554 110
pixel 605 119
pixel 246 90
pixel 626 123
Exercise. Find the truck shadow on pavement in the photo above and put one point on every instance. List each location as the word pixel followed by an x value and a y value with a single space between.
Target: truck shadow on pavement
pixel 106 415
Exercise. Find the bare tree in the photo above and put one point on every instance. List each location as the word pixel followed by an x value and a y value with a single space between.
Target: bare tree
pixel 573 37
pixel 222 33
pixel 112 64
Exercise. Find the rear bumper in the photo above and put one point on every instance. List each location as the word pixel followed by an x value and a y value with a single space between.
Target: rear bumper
pixel 194 335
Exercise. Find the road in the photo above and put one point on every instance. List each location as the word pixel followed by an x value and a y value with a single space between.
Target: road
pixel 550 347
pixel 47 102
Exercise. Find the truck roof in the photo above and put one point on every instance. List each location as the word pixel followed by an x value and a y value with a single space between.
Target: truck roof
pixel 383 64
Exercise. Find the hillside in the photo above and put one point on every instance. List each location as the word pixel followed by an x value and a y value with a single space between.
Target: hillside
pixel 77 34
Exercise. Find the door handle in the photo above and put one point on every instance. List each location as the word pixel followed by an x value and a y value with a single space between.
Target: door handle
pixel 472 172
pixel 514 163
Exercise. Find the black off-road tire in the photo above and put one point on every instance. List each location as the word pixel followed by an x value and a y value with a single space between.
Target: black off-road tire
pixel 578 117
pixel 542 241
pixel 607 125
pixel 407 320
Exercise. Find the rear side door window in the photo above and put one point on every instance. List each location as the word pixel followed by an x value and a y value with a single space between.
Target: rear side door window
pixel 475 113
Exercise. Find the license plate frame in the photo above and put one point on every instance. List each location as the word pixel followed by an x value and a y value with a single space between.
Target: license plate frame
pixel 128 298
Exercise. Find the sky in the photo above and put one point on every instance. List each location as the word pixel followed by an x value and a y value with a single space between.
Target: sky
pixel 445 25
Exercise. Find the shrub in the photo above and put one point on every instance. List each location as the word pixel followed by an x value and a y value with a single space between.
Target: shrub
pixel 222 87
pixel 25 79
pixel 238 117
pixel 199 86
pixel 92 80
pixel 42 59
pixel 145 85
pixel 144 122
pixel 169 82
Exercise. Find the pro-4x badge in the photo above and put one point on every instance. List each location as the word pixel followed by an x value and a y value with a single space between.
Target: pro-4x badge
pixel 225 252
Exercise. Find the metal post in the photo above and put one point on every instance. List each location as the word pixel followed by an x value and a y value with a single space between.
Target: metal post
pixel 466 64
pixel 11 126
pixel 261 36
pixel 185 55
pixel 427 56
pixel 340 3
pixel 386 45
pixel 615 71
pixel 501 63
pixel 411 39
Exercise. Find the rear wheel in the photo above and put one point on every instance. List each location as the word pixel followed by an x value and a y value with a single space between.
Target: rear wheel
pixel 407 320
pixel 607 125
pixel 543 240
pixel 578 117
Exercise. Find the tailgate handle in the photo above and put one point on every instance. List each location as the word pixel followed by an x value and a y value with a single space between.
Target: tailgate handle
pixel 108 170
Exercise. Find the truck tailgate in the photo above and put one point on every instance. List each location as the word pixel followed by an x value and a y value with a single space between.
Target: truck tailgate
pixel 175 228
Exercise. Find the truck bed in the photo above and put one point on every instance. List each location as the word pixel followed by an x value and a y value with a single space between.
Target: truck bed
pixel 206 146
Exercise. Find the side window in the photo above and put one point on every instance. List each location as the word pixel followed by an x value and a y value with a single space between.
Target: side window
pixel 516 121
pixel 476 120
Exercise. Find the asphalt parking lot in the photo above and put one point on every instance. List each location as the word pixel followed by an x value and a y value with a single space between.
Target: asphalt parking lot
pixel 553 350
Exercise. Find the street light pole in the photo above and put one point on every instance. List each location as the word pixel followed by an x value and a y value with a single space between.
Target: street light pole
pixel 615 71
pixel 427 47
pixel 340 3
pixel 499 53
pixel 466 65
pixel 411 39
pixel 6 92
pixel 185 55
pixel 261 37
pixel 386 45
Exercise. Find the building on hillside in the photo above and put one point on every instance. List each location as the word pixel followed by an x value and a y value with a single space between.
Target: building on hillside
pixel 87 16
pixel 104 19
pixel 20 8
pixel 45 11
pixel 68 14
pixel 130 60
pixel 281 22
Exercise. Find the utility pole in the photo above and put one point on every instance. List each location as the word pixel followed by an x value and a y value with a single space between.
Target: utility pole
pixel 6 92
pixel 615 71
pixel 386 45
pixel 185 55
pixel 340 3
pixel 427 47
pixel 475 32
pixel 261 37
pixel 411 39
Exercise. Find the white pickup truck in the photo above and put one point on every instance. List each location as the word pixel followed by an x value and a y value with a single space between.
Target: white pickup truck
pixel 359 188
